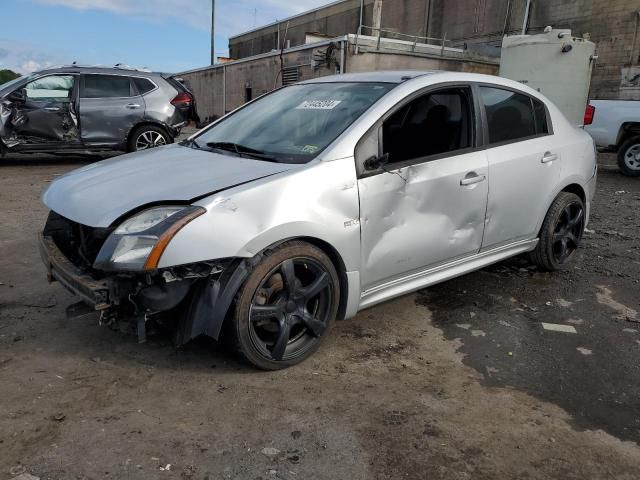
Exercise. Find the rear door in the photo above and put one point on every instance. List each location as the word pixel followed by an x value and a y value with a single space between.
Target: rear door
pixel 109 108
pixel 47 112
pixel 524 164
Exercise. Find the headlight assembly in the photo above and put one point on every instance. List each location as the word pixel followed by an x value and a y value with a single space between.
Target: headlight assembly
pixel 138 243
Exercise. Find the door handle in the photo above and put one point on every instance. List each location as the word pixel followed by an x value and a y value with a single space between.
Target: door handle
pixel 549 157
pixel 466 181
pixel 132 105
pixel 52 109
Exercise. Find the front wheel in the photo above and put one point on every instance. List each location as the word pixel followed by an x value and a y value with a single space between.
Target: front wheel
pixel 146 137
pixel 286 306
pixel 561 233
pixel 629 157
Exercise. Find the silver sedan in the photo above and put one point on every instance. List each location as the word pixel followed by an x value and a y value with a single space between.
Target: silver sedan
pixel 318 200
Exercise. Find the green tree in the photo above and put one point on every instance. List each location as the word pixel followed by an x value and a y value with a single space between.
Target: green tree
pixel 7 76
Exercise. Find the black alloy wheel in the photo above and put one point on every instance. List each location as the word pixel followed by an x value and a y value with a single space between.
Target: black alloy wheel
pixel 286 306
pixel 568 232
pixel 561 233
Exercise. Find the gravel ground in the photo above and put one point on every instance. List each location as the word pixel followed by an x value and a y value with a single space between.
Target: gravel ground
pixel 459 381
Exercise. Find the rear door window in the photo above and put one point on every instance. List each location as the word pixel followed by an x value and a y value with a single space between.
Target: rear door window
pixel 106 86
pixel 510 115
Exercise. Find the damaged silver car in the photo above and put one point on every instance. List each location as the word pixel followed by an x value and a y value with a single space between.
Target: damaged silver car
pixel 317 201
pixel 92 109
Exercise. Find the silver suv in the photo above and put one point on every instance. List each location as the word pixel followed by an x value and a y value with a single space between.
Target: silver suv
pixel 92 108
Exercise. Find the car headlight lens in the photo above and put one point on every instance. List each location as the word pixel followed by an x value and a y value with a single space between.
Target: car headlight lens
pixel 147 219
pixel 139 242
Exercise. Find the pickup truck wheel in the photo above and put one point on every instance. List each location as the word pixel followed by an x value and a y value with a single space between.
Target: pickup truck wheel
pixel 629 157
pixel 561 233
pixel 287 306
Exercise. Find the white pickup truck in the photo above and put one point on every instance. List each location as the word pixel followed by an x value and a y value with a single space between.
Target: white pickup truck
pixel 615 126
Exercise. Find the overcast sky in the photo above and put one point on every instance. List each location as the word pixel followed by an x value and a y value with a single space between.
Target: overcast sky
pixel 165 35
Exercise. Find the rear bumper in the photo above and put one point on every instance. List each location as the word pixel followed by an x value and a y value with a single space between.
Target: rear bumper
pixel 92 292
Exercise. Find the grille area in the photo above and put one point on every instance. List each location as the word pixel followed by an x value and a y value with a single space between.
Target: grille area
pixel 79 243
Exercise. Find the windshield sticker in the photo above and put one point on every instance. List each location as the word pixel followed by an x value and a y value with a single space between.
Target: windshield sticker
pixel 318 105
pixel 309 149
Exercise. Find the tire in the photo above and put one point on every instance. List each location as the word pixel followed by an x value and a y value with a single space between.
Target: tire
pixel 278 320
pixel 151 135
pixel 561 233
pixel 629 157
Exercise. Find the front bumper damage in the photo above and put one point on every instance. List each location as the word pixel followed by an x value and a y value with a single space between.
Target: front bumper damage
pixel 192 300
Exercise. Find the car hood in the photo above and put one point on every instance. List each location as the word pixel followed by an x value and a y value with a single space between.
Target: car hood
pixel 99 194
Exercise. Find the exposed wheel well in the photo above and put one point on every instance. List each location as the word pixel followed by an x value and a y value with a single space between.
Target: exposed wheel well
pixel 628 130
pixel 145 123
pixel 576 189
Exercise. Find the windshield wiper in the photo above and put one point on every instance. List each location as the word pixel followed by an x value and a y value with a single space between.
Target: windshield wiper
pixel 241 150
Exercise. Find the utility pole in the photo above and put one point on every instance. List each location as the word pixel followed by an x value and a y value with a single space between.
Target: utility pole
pixel 527 9
pixel 213 32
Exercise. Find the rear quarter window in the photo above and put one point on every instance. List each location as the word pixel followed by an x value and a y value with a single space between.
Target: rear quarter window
pixel 143 85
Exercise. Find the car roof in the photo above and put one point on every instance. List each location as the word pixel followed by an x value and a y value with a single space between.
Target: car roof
pixel 385 76
pixel 98 69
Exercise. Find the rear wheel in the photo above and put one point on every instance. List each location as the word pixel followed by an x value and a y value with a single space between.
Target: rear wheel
pixel 146 137
pixel 561 233
pixel 629 157
pixel 287 306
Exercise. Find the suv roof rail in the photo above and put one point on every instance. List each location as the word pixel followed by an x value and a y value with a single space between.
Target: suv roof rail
pixel 118 66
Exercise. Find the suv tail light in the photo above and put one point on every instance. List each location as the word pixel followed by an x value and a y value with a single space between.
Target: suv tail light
pixel 589 113
pixel 183 99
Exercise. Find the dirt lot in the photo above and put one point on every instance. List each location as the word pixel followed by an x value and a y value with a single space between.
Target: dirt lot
pixel 459 381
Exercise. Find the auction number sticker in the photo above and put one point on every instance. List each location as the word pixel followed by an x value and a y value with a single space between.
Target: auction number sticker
pixel 318 105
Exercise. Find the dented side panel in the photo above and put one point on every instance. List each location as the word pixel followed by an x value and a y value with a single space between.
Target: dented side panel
pixel 421 217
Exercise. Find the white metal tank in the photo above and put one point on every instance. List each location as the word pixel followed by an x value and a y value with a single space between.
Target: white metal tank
pixel 556 64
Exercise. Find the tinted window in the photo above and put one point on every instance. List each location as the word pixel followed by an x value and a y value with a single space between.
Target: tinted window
pixel 541 117
pixel 50 88
pixel 143 85
pixel 106 86
pixel 509 115
pixel 429 125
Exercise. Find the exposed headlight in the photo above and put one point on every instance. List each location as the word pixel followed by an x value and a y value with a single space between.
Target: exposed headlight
pixel 139 242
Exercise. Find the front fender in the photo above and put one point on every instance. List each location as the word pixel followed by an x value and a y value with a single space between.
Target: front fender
pixel 318 201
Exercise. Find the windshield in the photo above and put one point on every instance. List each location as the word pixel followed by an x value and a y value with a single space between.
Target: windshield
pixel 294 124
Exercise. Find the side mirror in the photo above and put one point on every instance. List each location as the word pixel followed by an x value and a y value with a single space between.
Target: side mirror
pixel 19 95
pixel 376 162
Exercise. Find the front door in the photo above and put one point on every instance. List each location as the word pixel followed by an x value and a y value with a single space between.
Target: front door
pixel 109 108
pixel 47 112
pixel 427 205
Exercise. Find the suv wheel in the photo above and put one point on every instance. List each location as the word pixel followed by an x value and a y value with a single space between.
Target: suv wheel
pixel 146 137
pixel 629 157
pixel 286 306
pixel 561 233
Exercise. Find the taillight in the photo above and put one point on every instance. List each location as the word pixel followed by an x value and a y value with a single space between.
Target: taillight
pixel 183 99
pixel 589 113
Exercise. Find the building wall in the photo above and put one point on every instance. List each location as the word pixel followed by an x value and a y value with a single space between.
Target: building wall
pixel 609 23
pixel 221 88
